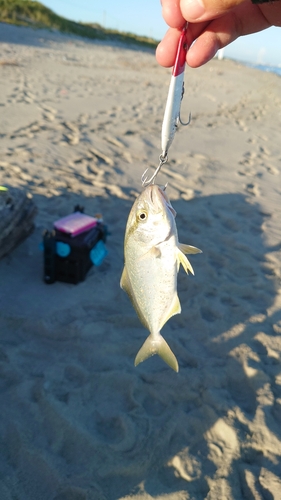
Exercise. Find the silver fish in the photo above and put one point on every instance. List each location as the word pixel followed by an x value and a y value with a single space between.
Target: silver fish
pixel 152 259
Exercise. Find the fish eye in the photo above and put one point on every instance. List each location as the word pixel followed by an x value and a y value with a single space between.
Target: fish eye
pixel 142 215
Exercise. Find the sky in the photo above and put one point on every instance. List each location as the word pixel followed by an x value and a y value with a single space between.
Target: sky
pixel 143 17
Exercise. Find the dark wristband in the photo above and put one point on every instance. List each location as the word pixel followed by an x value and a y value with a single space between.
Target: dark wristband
pixel 261 1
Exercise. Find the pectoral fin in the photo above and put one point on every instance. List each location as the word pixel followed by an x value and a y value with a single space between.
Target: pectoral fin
pixel 182 260
pixel 154 252
pixel 188 249
pixel 158 346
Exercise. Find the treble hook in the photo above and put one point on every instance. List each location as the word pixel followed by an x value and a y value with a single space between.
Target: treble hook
pixel 146 182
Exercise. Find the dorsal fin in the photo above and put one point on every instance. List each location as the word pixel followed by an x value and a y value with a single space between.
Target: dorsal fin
pixel 126 285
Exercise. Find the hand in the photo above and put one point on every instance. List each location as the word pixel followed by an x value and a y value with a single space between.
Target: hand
pixel 213 24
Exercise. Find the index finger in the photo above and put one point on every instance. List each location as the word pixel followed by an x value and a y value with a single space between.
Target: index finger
pixel 172 14
pixel 167 48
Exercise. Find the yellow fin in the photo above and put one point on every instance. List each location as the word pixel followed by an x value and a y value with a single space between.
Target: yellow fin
pixel 188 249
pixel 158 346
pixel 124 282
pixel 126 286
pixel 174 309
pixel 182 259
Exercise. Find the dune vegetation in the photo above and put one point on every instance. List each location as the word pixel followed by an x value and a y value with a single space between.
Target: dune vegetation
pixel 35 14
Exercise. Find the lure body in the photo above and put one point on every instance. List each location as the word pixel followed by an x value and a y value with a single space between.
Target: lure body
pixel 175 94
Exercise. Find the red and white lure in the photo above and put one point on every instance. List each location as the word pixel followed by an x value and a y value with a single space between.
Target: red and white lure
pixel 172 117
pixel 176 90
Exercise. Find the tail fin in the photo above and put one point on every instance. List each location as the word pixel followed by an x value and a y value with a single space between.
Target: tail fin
pixel 157 346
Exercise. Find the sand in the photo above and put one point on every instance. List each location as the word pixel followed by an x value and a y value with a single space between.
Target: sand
pixel 80 122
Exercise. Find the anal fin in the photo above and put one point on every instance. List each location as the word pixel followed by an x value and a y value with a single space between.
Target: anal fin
pixel 175 308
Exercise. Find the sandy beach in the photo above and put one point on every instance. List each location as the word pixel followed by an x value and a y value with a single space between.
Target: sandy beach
pixel 80 121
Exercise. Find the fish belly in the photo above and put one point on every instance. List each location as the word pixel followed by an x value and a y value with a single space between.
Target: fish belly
pixel 154 283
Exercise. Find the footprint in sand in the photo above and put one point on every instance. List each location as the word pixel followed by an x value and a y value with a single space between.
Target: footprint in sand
pixel 272 170
pixel 246 172
pixel 72 136
pixel 253 189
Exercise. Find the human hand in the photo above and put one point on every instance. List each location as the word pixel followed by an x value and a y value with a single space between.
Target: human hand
pixel 213 24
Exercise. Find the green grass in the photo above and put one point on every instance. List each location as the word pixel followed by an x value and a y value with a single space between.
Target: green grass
pixel 35 14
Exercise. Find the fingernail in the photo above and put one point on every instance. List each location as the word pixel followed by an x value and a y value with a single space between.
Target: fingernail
pixel 194 9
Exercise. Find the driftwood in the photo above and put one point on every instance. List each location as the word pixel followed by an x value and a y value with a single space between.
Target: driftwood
pixel 17 212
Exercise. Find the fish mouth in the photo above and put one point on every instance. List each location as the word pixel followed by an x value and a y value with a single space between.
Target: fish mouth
pixel 167 202
pixel 156 197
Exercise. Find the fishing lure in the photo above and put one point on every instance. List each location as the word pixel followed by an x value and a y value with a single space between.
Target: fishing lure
pixel 172 117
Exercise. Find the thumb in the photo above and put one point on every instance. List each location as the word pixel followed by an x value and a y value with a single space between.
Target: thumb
pixel 205 10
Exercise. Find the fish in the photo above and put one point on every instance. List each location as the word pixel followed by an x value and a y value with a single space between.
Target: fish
pixel 153 255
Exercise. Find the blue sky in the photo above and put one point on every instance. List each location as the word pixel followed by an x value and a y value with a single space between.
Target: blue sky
pixel 143 17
